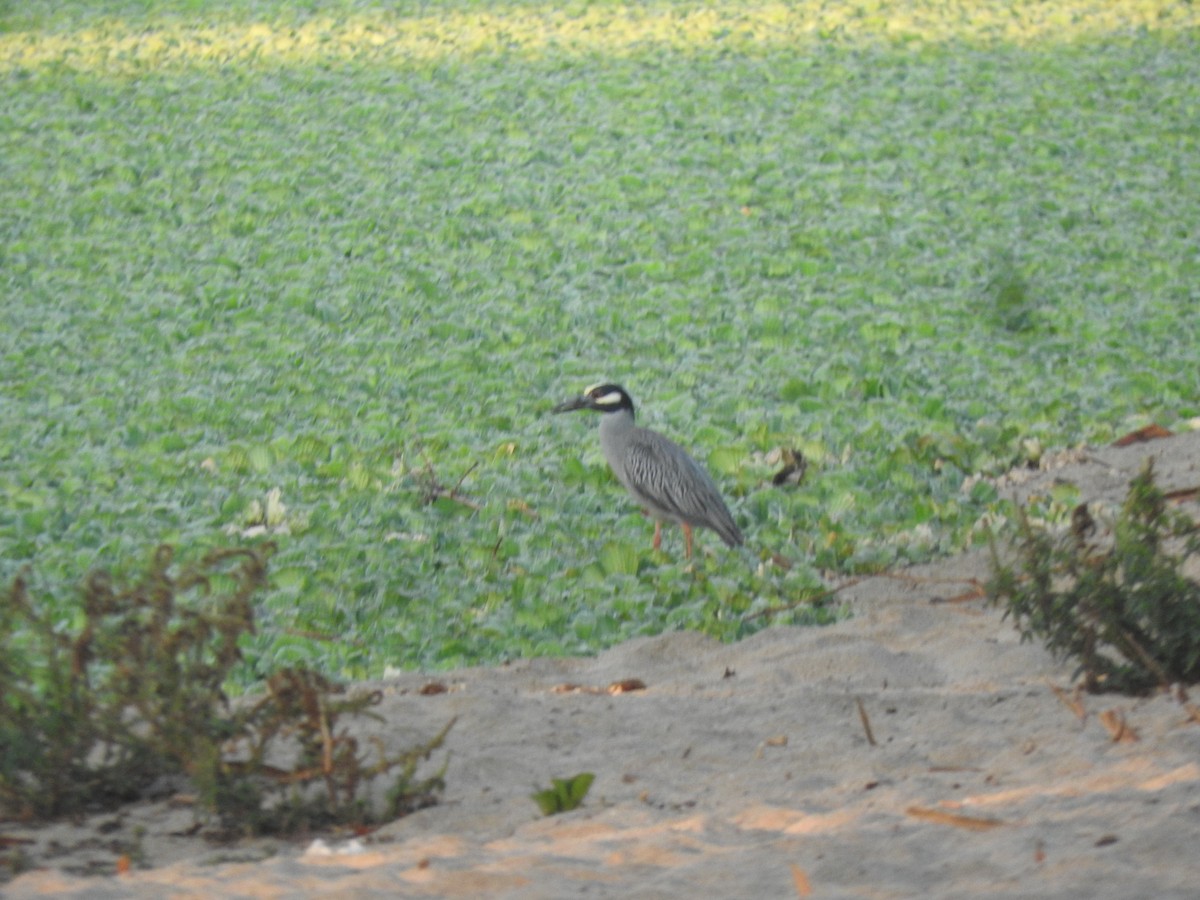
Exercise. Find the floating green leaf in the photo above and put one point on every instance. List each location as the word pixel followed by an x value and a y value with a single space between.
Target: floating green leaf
pixel 619 558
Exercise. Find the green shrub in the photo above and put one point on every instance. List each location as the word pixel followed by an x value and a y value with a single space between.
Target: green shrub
pixel 91 715
pixel 1125 610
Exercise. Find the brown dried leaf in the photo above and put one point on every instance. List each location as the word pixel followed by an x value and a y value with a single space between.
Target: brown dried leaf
pixel 940 817
pixel 800 882
pixel 627 686
pixel 1122 732
pixel 793 469
pixel 1070 701
pixel 779 740
pixel 1142 435
pixel 975 593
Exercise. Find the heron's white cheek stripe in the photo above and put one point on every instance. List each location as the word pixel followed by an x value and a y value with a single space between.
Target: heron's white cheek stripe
pixel 610 399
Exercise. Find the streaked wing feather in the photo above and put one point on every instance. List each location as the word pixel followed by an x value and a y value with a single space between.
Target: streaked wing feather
pixel 661 474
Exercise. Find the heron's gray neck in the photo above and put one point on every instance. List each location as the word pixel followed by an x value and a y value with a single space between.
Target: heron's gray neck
pixel 614 428
pixel 616 422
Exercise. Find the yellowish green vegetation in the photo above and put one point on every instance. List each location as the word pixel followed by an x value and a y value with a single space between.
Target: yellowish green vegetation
pixel 133 36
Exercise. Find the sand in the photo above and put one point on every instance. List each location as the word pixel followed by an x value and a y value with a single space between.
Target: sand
pixel 747 770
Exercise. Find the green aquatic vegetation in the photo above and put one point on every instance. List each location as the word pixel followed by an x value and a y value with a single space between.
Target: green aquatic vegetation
pixel 348 258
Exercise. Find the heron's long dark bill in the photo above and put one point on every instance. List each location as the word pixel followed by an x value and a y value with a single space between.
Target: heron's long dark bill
pixel 573 404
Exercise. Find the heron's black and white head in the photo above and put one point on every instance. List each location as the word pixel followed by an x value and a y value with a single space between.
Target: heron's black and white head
pixel 605 398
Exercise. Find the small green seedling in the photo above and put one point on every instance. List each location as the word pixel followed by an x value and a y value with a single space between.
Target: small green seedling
pixel 565 795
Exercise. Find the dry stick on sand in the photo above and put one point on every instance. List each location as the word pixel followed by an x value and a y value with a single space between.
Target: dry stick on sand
pixel 806 601
pixel 974 593
pixel 866 723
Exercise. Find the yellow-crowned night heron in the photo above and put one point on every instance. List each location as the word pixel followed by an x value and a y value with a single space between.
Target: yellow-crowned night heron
pixel 655 470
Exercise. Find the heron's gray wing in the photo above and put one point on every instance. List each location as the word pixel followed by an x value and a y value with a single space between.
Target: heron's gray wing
pixel 661 474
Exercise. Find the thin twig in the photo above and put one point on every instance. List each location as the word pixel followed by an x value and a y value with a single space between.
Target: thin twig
pixel 804 601
pixel 322 636
pixel 435 490
pixel 471 468
pixel 977 590
pixel 866 723
pixel 1149 661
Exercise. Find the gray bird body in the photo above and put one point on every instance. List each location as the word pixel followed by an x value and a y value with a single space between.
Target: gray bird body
pixel 657 472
